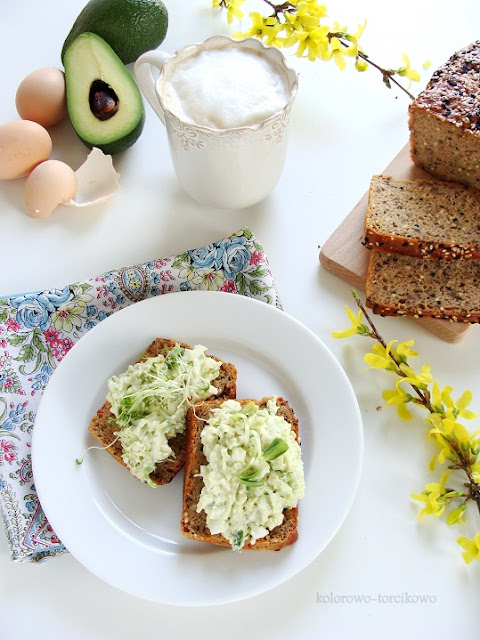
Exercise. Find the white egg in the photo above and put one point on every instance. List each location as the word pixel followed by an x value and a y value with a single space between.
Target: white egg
pixel 51 183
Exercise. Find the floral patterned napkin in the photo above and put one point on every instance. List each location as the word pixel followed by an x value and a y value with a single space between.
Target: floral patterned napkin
pixel 38 329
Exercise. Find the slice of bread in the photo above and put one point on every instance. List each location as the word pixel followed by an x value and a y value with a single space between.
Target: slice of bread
pixel 407 286
pixel 193 524
pixel 103 426
pixel 423 218
pixel 444 120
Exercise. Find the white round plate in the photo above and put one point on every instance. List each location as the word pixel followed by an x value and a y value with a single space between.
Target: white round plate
pixel 127 533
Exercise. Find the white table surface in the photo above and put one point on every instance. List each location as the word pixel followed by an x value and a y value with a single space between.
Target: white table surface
pixel 346 126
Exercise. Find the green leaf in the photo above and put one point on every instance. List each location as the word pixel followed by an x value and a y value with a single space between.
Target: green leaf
pixel 247 233
pixel 9 434
pixel 255 287
pixel 27 354
pixel 180 260
pixel 17 338
pixel 37 340
pixel 258 272
pixel 258 246
pixel 3 315
pixel 241 282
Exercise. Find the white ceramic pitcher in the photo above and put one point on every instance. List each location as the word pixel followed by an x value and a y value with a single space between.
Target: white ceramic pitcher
pixel 223 168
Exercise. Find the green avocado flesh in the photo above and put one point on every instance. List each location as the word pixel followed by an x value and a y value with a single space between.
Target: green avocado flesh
pixel 130 27
pixel 104 103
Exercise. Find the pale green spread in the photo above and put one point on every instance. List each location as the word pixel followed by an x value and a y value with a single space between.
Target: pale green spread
pixel 254 471
pixel 151 399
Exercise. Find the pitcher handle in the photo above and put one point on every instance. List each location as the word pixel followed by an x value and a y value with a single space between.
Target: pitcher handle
pixel 143 75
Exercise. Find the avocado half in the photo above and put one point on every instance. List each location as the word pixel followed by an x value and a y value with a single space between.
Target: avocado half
pixel 130 27
pixel 104 102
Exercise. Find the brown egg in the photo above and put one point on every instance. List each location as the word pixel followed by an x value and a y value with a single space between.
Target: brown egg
pixel 50 184
pixel 41 96
pixel 23 145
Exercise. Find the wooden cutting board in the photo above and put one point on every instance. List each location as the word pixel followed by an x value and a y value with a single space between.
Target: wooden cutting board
pixel 344 255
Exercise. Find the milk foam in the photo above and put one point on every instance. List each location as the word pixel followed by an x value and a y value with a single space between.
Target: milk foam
pixel 225 87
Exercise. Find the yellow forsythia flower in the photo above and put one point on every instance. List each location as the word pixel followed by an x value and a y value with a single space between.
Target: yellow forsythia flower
pixel 455 516
pixel 431 495
pixel 461 406
pixel 232 6
pixel 361 65
pixel 420 380
pixel 404 350
pixel 407 71
pixel 357 326
pixel 398 397
pixel 471 546
pixel 263 28
pixel 380 358
pixel 234 10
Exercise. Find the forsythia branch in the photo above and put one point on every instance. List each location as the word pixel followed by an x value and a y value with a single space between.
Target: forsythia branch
pixel 459 450
pixel 299 23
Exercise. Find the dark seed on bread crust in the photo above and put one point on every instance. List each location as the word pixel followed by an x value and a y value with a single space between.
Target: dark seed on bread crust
pixel 193 524
pixel 103 425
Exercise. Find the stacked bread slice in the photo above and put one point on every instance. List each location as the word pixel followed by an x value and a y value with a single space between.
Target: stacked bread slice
pixel 424 235
pixel 424 238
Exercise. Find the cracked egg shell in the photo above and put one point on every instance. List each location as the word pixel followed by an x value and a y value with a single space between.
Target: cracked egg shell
pixel 51 183
pixel 97 179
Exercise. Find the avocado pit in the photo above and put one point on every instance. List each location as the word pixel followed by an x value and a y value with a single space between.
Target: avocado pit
pixel 103 100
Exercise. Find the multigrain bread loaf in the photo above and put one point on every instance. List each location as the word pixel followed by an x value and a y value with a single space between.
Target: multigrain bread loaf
pixel 193 524
pixel 423 218
pixel 408 286
pixel 103 426
pixel 444 120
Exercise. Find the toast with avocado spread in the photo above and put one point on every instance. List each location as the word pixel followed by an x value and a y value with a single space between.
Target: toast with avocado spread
pixel 243 474
pixel 142 422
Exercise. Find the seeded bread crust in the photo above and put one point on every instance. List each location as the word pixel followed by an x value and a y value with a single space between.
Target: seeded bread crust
pixel 193 524
pixel 444 120
pixel 103 425
pixel 408 286
pixel 423 218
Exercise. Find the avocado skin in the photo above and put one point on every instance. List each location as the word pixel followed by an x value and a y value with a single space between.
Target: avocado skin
pixel 110 148
pixel 126 138
pixel 130 27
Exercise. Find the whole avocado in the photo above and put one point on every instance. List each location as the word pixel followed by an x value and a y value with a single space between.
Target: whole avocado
pixel 130 27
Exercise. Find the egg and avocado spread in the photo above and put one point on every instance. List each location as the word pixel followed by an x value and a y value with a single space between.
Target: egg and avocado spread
pixel 254 471
pixel 151 399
